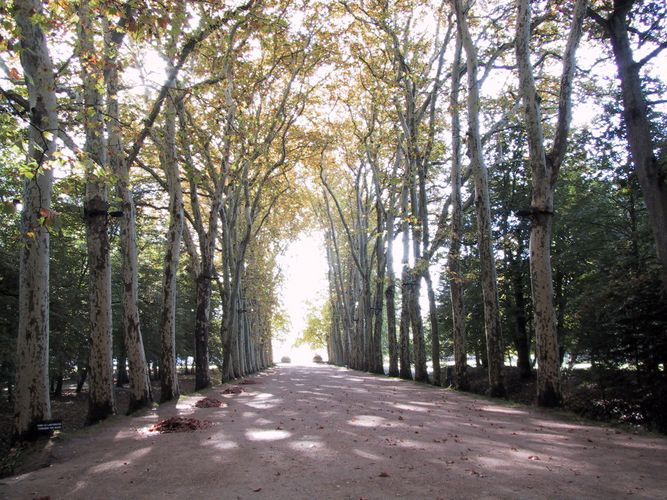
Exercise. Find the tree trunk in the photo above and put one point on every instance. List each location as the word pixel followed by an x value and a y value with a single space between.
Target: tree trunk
pixel 521 340
pixel 435 334
pixel 81 379
pixel 122 377
pixel 454 255
pixel 494 342
pixel 390 298
pixel 168 372
pixel 140 388
pixel 651 175
pixel 377 361
pixel 101 398
pixel 32 402
pixel 202 377
pixel 406 290
pixel 419 345
pixel 544 169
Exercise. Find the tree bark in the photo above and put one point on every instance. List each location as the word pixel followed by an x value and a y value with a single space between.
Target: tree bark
pixel 168 372
pixel 521 340
pixel 544 169
pixel 494 341
pixel 454 254
pixel 32 402
pixel 390 298
pixel 101 397
pixel 651 175
pixel 406 289
pixel 140 388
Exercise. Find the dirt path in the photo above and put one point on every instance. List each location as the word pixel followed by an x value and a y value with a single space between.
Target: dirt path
pixel 323 432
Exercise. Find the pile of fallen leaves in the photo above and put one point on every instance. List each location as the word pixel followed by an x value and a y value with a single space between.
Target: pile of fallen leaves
pixel 179 424
pixel 235 389
pixel 209 403
pixel 248 381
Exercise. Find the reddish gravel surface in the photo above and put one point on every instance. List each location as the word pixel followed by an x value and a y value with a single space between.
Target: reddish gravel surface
pixel 316 432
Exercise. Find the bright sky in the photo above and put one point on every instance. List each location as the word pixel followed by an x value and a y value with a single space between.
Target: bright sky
pixel 304 268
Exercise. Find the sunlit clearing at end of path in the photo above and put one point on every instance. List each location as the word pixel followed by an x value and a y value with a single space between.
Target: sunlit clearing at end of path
pixel 303 268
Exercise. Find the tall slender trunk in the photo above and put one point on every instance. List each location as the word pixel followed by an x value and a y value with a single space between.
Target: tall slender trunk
pixel 418 343
pixel 202 325
pixel 390 293
pixel 544 169
pixel 168 372
pixel 435 334
pixel 377 361
pixel 454 256
pixel 31 402
pixel 421 374
pixel 406 289
pixel 140 388
pixel 494 341
pixel 521 340
pixel 101 397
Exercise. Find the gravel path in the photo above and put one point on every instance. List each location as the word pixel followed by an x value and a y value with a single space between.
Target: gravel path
pixel 317 432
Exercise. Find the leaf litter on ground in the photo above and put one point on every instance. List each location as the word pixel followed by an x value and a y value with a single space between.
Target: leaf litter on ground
pixel 179 424
pixel 209 403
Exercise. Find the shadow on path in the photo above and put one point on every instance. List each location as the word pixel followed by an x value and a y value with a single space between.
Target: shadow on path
pixel 325 432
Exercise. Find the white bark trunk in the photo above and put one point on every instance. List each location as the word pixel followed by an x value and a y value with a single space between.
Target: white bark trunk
pixel 454 256
pixel 101 397
pixel 168 373
pixel 544 170
pixel 494 342
pixel 140 392
pixel 32 402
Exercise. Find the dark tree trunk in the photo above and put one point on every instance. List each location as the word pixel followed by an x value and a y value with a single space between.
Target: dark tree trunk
pixel 202 377
pixel 83 375
pixel 521 341
pixel 651 175
pixel 122 377
pixel 57 390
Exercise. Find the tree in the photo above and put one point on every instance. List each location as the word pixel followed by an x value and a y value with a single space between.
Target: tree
pixel 544 169
pixel 96 210
pixel 650 172
pixel 455 274
pixel 32 377
pixel 318 321
pixel 170 166
pixel 140 389
pixel 494 345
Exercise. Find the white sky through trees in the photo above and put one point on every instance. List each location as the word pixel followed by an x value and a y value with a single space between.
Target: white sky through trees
pixel 304 269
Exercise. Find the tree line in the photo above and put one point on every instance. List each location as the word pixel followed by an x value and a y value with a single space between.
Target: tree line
pixel 456 139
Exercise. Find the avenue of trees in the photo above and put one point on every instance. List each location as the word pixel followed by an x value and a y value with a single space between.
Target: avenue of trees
pixel 157 157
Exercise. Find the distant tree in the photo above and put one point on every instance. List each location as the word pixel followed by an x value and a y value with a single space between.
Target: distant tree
pixel 318 325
